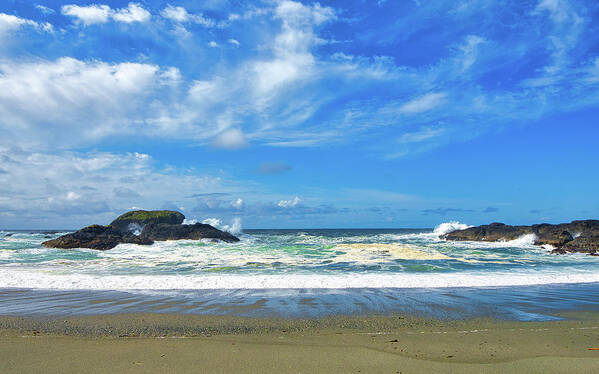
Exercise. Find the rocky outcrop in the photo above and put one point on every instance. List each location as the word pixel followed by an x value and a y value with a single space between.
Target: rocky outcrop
pixel 137 219
pixel 164 231
pixel 95 237
pixel 152 226
pixel 576 236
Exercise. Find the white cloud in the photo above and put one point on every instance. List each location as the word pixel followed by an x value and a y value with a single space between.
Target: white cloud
pixel 469 51
pixel 54 188
pixel 175 13
pixel 422 135
pixel 133 13
pixel 9 23
pixel 75 101
pixel 233 228
pixel 45 9
pixel 234 42
pixel 181 15
pixel 238 203
pixel 213 44
pixel 423 103
pixel 290 203
pixel 97 14
pixel 88 15
pixel 230 139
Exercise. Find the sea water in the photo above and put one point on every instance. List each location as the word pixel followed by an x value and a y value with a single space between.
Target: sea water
pixel 295 272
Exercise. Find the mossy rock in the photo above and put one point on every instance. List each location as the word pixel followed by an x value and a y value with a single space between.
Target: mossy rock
pixel 144 217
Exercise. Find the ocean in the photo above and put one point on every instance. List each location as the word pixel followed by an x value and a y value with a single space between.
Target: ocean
pixel 299 273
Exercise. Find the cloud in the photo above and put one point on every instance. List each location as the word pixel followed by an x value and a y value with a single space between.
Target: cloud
pixel 213 204
pixel 237 203
pixel 77 101
pixel 209 195
pixel 45 9
pixel 230 139
pixel 273 168
pixel 423 103
pixel 49 189
pixel 88 15
pixel 124 192
pixel 133 13
pixel 421 135
pixel 9 23
pixel 97 14
pixel 289 203
pixel 181 15
pixel 444 211
pixel 234 42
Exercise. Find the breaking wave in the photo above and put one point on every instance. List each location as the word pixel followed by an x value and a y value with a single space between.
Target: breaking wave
pixel 447 227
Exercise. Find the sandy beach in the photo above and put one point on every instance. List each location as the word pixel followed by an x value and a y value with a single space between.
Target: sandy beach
pixel 161 343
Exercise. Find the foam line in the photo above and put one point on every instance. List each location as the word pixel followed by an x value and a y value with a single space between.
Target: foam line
pixel 13 278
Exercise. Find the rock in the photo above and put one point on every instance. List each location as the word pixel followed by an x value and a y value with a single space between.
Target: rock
pixel 576 236
pixel 489 233
pixel 156 226
pixel 137 219
pixel 9 234
pixel 554 235
pixel 585 244
pixel 164 231
pixel 95 237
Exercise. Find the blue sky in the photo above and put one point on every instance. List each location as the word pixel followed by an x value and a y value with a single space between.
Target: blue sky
pixel 299 114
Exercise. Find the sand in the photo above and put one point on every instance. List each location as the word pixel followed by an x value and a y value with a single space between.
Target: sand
pixel 167 343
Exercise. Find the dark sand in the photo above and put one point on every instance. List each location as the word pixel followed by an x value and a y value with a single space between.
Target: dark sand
pixel 166 343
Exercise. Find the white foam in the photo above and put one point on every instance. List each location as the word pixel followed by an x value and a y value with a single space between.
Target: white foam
pixel 447 227
pixel 523 241
pixel 12 278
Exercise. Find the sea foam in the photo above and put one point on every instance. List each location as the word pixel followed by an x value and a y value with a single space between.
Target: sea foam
pixel 12 278
pixel 447 227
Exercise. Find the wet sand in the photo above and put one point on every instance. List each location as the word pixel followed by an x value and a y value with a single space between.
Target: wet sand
pixel 163 343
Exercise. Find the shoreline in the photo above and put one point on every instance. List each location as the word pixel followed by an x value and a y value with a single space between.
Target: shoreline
pixel 522 303
pixel 181 343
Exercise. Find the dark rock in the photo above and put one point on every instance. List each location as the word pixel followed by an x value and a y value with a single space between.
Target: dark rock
pixel 154 228
pixel 137 219
pixel 95 237
pixel 576 236
pixel 489 233
pixel 555 235
pixel 585 244
pixel 164 231
pixel 9 234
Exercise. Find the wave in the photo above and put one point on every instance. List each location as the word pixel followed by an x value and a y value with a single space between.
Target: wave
pixel 447 227
pixel 12 278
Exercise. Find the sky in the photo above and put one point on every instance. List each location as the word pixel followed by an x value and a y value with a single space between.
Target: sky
pixel 291 114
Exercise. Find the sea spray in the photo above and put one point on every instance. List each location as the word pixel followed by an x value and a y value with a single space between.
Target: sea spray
pixel 447 227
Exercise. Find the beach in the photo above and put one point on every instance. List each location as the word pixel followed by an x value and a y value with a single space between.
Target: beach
pixel 298 301
pixel 368 344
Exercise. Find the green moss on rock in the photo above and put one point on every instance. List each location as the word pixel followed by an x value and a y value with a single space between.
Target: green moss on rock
pixel 143 217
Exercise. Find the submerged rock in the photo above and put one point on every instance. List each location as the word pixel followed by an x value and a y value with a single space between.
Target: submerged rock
pixel 576 236
pixel 153 226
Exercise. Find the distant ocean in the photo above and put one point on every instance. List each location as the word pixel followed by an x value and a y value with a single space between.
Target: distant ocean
pixel 295 273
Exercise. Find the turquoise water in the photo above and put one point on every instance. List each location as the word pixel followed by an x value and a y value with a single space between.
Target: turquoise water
pixel 267 259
